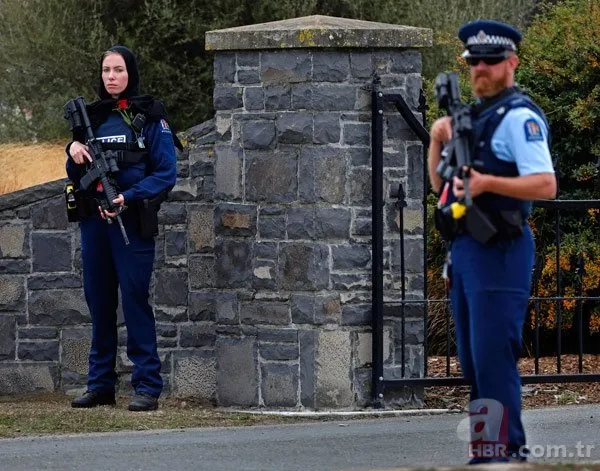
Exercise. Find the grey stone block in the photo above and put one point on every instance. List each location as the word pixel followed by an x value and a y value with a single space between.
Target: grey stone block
pixel 171 287
pixel 361 64
pixel 356 314
pixel 237 374
pixel 272 227
pixel 15 266
pixel 266 250
pixel 304 266
pixel 334 359
pixel 315 309
pixel 301 223
pixel 7 337
pixel 308 341
pixel 195 375
pixel 279 351
pixel 360 186
pixel 233 264
pixel 278 98
pixel 416 183
pixel 22 379
pixel 50 214
pixel 172 213
pixel 13 240
pixel 406 62
pixel 228 168
pixel 37 333
pixel 322 175
pixel 350 282
pixel 254 98
pixel 235 220
pixel 281 335
pixel 12 292
pixel 333 97
pixel 219 307
pixel 279 385
pixel 351 257
pixel 166 330
pixel 301 97
pixel 224 67
pixel 359 157
pixel 201 271
pixel 357 134
pixel 295 128
pixel 362 227
pixel 171 314
pixel 197 335
pixel 58 307
pixel 413 255
pixel 54 281
pixel 330 67
pixel 227 98
pixel 175 243
pixel 282 67
pixel 201 232
pixel 51 252
pixel 46 350
pixel 248 59
pixel 280 166
pixel 259 134
pixel 327 129
pixel 332 223
pixel 270 313
pixel 394 156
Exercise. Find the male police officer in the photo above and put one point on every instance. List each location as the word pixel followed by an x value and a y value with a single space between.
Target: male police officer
pixel 490 282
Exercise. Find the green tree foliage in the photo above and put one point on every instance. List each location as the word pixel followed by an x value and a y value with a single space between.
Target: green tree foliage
pixel 50 48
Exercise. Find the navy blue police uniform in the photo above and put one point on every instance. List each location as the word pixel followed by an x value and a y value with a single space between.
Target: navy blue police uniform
pixel 490 282
pixel 147 169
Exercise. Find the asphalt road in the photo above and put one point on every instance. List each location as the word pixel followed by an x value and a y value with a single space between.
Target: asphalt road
pixel 338 445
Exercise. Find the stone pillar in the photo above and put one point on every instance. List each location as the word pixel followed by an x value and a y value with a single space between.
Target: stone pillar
pixel 280 254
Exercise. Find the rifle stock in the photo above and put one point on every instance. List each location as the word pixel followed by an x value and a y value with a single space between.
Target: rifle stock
pixel 103 163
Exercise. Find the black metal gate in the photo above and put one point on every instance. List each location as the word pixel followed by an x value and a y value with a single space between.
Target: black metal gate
pixel 557 207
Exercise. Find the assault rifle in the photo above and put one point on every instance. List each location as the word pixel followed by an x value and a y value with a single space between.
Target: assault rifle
pixel 103 165
pixel 458 154
pixel 457 161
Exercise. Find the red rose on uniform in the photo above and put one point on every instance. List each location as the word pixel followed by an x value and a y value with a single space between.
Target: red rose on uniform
pixel 122 104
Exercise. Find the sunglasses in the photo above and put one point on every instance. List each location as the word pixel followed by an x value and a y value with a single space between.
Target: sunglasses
pixel 486 60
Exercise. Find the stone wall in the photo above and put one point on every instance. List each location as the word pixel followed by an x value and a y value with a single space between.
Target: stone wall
pixel 263 262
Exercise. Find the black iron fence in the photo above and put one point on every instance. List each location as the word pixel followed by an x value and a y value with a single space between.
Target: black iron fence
pixel 540 327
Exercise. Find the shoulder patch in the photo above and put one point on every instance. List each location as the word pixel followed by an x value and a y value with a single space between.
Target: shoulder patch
pixel 533 130
pixel 165 126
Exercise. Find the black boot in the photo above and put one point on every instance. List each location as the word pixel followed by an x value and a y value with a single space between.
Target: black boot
pixel 143 402
pixel 94 398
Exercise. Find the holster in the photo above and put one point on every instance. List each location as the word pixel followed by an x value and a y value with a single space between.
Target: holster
pixel 148 214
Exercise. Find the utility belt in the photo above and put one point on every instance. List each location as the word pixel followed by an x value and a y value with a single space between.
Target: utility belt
pixel 81 205
pixel 484 226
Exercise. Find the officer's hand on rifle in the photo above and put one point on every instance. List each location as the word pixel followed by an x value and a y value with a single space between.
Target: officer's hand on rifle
pixel 478 184
pixel 79 152
pixel 119 201
pixel 441 130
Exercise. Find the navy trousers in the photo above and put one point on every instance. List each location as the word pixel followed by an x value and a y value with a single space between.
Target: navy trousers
pixel 108 264
pixel 489 295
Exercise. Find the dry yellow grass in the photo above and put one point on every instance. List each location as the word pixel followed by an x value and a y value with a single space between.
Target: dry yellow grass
pixel 25 165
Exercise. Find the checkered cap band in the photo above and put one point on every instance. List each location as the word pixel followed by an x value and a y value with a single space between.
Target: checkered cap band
pixel 482 38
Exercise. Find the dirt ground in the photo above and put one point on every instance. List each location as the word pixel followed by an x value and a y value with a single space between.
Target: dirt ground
pixel 534 395
pixel 29 165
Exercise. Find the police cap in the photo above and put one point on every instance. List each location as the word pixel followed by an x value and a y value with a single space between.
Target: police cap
pixel 488 38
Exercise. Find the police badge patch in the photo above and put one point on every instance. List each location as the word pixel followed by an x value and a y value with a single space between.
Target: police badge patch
pixel 165 126
pixel 533 131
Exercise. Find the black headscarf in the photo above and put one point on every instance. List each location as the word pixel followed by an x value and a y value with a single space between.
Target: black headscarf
pixel 133 82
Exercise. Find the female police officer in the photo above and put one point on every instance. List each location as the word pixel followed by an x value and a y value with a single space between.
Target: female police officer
pixel 147 168
pixel 490 282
